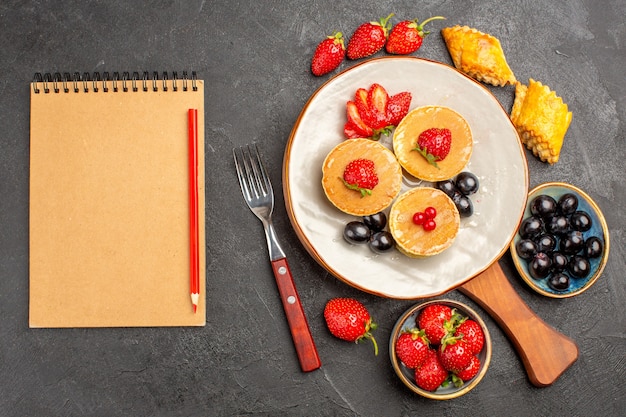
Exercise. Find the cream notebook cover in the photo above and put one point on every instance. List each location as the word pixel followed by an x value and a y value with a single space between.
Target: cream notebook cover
pixel 109 201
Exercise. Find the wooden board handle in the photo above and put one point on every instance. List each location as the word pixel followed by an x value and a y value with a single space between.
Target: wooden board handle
pixel 298 325
pixel 545 352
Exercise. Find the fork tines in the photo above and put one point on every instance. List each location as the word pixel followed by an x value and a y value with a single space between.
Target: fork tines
pixel 252 175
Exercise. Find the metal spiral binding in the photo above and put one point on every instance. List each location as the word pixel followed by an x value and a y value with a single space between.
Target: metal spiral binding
pixel 98 82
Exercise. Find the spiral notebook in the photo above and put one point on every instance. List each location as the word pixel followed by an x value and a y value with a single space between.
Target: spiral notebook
pixel 109 200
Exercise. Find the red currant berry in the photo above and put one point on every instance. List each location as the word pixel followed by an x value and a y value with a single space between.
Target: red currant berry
pixel 419 218
pixel 430 212
pixel 430 225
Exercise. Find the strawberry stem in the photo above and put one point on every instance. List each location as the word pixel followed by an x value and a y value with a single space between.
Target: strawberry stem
pixel 370 325
pixel 355 187
pixel 337 37
pixel 430 158
pixel 384 22
pixel 420 26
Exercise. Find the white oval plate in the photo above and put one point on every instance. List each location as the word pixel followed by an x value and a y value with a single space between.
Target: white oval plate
pixel 498 160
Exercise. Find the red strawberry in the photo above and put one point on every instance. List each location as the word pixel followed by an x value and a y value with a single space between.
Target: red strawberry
pixel 377 99
pixel 356 127
pixel 406 37
pixel 349 320
pixel 368 38
pixel 432 320
pixel 398 107
pixel 454 354
pixel 470 371
pixel 373 112
pixel 412 348
pixel 434 144
pixel 328 54
pixel 472 334
pixel 431 374
pixel 360 175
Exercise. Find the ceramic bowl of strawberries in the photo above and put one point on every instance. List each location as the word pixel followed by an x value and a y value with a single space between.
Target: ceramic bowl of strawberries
pixel 440 349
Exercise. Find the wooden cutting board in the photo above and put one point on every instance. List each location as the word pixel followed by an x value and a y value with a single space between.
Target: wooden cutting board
pixel 545 352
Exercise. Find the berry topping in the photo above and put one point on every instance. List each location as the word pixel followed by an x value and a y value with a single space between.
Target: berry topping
pixel 360 175
pixel 430 225
pixel 430 212
pixel 419 218
pixel 434 144
pixel 426 218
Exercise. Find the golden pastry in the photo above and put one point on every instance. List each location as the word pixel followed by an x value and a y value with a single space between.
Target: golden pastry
pixel 379 177
pixel 415 240
pixel 541 119
pixel 478 55
pixel 421 119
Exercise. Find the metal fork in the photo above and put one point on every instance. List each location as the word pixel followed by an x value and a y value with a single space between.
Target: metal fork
pixel 258 194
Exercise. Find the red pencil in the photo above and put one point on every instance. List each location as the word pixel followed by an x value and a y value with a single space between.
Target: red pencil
pixel 193 209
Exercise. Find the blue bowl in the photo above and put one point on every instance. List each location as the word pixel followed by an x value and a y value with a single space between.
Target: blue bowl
pixel 599 228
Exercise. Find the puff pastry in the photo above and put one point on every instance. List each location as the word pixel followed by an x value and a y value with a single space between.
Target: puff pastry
pixel 541 119
pixel 478 55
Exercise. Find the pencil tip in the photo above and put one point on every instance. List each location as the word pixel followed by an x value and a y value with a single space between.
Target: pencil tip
pixel 195 308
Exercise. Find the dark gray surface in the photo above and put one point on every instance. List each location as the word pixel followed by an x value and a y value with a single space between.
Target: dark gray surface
pixel 255 58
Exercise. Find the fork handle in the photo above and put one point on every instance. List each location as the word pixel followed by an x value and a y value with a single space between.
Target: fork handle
pixel 300 332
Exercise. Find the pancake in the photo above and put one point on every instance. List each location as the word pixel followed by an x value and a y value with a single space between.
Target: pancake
pixel 423 118
pixel 351 201
pixel 411 239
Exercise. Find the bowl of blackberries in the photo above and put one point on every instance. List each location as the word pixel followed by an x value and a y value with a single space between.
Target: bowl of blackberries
pixel 440 349
pixel 562 244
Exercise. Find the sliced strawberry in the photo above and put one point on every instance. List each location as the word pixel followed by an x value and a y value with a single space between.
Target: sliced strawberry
pixel 363 106
pixel 377 99
pixel 356 122
pixel 398 107
pixel 350 131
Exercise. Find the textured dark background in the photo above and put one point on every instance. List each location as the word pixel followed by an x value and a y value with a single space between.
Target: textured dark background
pixel 255 59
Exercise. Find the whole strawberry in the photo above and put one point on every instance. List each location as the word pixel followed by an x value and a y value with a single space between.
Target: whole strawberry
pixel 412 348
pixel 348 319
pixel 434 144
pixel 472 334
pixel 406 37
pixel 432 319
pixel 360 175
pixel 454 354
pixel 368 38
pixel 328 54
pixel 431 374
pixel 470 371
